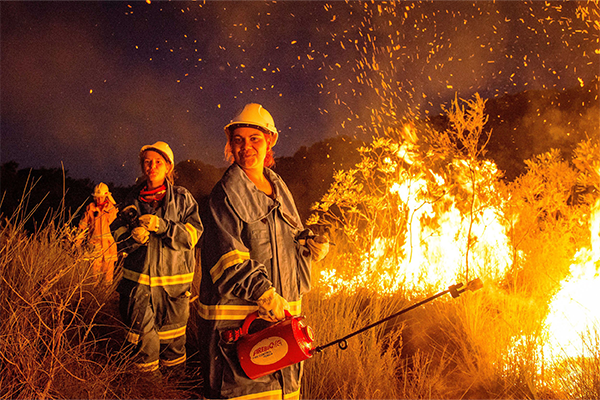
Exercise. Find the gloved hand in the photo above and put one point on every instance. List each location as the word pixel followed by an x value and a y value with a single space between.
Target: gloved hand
pixel 150 222
pixel 318 246
pixel 140 234
pixel 271 306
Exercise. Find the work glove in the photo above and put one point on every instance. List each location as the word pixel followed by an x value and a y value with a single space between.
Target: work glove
pixel 140 234
pixel 271 306
pixel 150 222
pixel 318 246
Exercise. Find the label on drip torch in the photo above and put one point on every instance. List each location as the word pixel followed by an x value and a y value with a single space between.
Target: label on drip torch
pixel 268 351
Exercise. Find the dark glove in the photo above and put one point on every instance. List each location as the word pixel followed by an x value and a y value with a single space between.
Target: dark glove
pixel 318 246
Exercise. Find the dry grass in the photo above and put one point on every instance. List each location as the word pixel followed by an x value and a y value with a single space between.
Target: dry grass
pixel 367 368
pixel 483 345
pixel 60 335
pixel 60 338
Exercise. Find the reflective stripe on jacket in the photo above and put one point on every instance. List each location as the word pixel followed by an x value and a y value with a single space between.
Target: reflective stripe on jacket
pixel 250 244
pixel 167 260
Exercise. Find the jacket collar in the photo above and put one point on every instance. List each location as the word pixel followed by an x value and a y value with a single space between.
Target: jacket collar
pixel 249 203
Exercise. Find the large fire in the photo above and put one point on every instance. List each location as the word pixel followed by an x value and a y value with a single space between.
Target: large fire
pixel 574 315
pixel 443 245
pixel 451 235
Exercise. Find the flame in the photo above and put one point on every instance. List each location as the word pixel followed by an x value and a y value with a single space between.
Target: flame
pixel 574 312
pixel 445 241
pixel 435 255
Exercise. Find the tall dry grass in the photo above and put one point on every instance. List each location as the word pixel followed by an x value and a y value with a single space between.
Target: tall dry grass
pixel 482 345
pixel 60 335
pixel 579 377
pixel 367 367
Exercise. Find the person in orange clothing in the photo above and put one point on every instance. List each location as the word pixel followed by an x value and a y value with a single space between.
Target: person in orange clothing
pixel 96 224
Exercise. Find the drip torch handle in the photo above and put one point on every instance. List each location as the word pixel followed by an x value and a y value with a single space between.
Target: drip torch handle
pixel 454 290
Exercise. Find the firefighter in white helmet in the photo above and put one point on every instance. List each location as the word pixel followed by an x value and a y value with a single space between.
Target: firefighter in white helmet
pixel 256 255
pixel 96 220
pixel 158 229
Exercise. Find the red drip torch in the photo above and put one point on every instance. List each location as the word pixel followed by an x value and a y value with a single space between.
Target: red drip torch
pixel 280 345
pixel 291 341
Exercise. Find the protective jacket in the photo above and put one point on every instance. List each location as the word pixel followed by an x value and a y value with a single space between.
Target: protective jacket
pixel 103 250
pixel 157 276
pixel 251 244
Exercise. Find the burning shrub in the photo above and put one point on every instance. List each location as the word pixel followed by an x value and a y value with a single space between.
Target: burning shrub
pixel 424 208
pixel 421 209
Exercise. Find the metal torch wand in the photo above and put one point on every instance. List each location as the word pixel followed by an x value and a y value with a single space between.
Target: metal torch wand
pixel 454 290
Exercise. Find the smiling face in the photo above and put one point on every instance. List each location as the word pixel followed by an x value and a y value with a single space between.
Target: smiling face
pixel 155 168
pixel 249 147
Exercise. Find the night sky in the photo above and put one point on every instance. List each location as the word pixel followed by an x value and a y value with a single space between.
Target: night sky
pixel 88 83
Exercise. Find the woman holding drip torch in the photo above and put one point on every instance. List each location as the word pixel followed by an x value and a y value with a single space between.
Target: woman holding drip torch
pixel 256 255
pixel 157 231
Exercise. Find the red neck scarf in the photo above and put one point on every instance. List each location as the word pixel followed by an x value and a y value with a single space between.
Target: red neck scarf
pixel 154 195
pixel 102 205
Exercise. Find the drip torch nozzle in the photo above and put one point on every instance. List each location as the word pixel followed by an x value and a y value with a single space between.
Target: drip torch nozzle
pixel 474 285
pixel 453 289
pixel 457 290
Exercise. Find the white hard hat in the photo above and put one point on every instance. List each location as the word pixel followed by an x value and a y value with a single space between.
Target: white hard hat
pixel 257 116
pixel 102 190
pixel 162 148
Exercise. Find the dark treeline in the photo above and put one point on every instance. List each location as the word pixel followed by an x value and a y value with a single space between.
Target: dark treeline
pixel 308 174
pixel 523 125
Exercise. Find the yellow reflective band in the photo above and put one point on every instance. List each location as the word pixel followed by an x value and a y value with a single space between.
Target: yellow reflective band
pixel 171 280
pixel 172 334
pixel 226 261
pixel 172 363
pixel 147 367
pixel 237 312
pixel 293 395
pixel 157 280
pixel 225 312
pixel 136 277
pixel 193 233
pixel 132 337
